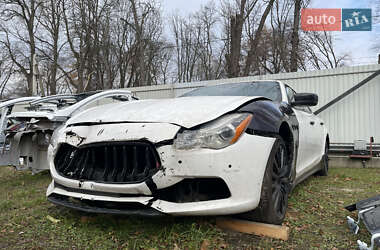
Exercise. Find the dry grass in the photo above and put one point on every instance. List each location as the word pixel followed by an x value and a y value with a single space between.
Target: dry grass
pixel 315 215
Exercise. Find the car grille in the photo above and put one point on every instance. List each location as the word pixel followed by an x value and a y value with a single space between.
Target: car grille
pixel 117 162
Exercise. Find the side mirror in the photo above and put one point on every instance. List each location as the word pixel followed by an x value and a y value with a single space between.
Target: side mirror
pixel 305 99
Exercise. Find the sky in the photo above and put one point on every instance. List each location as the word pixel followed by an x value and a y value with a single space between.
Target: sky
pixel 357 44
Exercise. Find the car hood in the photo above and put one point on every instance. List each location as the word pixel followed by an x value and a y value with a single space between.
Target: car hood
pixel 184 111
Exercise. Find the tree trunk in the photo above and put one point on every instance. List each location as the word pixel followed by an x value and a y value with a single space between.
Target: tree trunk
pixel 255 42
pixel 237 22
pixel 236 30
pixel 295 37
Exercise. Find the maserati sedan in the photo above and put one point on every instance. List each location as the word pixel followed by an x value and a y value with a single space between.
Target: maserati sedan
pixel 235 148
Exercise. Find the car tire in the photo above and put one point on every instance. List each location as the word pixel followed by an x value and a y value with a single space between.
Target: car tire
pixel 275 188
pixel 325 163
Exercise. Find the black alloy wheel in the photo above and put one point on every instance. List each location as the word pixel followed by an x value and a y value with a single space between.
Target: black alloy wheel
pixel 275 188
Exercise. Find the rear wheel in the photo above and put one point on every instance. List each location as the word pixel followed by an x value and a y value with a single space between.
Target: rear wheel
pixel 275 188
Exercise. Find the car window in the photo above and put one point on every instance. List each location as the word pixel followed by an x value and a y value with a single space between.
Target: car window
pixel 20 107
pixel 290 93
pixel 269 90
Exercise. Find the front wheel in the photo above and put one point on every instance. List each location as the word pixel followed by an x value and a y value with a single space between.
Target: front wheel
pixel 275 188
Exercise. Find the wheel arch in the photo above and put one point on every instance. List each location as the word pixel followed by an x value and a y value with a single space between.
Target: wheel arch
pixel 328 141
pixel 286 134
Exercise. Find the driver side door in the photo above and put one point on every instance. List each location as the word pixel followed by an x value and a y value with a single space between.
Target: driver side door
pixel 310 134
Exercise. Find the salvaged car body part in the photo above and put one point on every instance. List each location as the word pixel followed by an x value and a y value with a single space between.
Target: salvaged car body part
pixel 214 151
pixel 369 213
pixel 7 108
pixel 28 137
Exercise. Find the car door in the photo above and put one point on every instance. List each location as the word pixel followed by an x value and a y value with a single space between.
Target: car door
pixel 310 134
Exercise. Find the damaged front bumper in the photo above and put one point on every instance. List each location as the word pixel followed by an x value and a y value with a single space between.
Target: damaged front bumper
pixel 187 182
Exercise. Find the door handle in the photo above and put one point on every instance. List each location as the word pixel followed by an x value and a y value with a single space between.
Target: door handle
pixel 312 122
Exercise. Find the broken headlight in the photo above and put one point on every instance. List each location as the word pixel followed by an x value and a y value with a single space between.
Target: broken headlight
pixel 217 134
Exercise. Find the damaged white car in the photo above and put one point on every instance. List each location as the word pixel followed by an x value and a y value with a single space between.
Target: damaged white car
pixel 226 149
pixel 6 108
pixel 28 133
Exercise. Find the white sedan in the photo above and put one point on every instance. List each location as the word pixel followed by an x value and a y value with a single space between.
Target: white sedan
pixel 227 149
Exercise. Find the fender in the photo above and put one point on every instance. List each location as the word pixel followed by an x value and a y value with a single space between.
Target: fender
pixel 269 119
pixel 268 116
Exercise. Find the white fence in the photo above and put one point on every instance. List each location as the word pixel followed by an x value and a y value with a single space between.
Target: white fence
pixel 357 116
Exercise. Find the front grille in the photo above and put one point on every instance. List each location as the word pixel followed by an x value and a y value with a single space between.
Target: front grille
pixel 116 162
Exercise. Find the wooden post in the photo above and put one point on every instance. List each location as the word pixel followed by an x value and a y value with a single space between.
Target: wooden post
pixel 250 227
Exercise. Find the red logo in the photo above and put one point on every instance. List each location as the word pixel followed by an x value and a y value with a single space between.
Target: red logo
pixel 321 19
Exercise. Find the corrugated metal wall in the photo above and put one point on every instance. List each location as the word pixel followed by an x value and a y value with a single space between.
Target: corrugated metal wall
pixel 357 116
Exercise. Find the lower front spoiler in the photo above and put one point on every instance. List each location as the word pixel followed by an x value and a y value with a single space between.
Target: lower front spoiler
pixel 88 206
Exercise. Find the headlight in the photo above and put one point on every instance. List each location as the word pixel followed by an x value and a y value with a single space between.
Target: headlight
pixel 217 134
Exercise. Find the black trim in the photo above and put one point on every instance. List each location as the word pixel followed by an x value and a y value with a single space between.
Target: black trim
pixel 99 193
pixel 85 206
pixel 164 143
pixel 151 185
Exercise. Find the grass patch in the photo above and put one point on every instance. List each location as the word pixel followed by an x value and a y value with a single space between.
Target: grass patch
pixel 315 216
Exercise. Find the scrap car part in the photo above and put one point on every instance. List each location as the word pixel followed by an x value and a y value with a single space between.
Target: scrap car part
pixel 369 213
pixel 29 132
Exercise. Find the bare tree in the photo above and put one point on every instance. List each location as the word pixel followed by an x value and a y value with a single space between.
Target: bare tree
pixel 50 40
pixel 102 44
pixel 277 57
pixel 237 14
pixel 18 26
pixel 211 49
pixel 321 54
pixel 255 41
pixel 295 35
pixel 185 37
pixel 87 33
pixel 6 67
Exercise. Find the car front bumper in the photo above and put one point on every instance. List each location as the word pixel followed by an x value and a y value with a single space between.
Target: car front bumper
pixel 241 166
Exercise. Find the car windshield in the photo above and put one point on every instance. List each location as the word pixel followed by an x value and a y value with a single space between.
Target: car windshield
pixel 269 90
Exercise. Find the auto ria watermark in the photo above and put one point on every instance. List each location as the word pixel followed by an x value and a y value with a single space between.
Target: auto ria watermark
pixel 336 19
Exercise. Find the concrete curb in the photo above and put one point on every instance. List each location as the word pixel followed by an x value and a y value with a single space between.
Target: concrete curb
pixel 346 162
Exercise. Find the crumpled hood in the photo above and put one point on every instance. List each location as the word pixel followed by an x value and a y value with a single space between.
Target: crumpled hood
pixel 184 111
